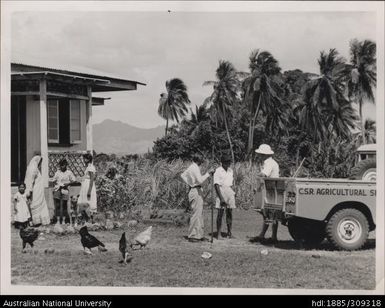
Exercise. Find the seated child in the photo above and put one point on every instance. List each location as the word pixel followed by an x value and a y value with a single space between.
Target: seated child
pixel 21 208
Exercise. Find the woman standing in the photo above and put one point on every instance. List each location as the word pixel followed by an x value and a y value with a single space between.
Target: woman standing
pixel 35 191
pixel 87 194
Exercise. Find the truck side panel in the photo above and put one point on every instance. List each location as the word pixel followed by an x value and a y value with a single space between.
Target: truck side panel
pixel 315 199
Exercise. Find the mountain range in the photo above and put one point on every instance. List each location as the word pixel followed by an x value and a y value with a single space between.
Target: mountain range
pixel 116 137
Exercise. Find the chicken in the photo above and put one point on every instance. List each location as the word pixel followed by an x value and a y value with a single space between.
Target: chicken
pixel 142 239
pixel 58 229
pixel 89 241
pixel 28 235
pixel 123 249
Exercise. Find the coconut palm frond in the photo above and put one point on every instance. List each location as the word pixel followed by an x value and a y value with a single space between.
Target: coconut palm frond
pixel 209 83
pixel 173 104
pixel 363 76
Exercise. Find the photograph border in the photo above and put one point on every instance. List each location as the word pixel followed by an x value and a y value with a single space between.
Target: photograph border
pixel 10 7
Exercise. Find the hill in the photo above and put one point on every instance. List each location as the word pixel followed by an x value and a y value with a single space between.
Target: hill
pixel 121 138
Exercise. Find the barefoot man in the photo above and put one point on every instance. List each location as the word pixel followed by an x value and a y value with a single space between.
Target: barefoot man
pixel 225 201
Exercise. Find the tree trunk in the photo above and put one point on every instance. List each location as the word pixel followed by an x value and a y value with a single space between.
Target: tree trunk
pixel 297 159
pixel 228 137
pixel 249 142
pixel 166 127
pixel 362 123
pixel 252 127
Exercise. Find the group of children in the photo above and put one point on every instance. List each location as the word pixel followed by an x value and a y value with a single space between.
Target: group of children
pixel 225 195
pixel 84 203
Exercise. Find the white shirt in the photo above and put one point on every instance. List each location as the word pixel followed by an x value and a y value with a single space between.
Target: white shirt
pixel 270 168
pixel 223 177
pixel 193 177
pixel 63 178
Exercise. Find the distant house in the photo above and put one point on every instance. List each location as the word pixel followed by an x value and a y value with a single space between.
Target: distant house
pixel 51 113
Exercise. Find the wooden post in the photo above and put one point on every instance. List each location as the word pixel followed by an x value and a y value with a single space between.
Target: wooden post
pixel 44 131
pixel 89 120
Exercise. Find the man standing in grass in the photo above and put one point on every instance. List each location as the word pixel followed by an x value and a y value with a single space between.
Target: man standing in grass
pixel 194 179
pixel 270 169
pixel 225 201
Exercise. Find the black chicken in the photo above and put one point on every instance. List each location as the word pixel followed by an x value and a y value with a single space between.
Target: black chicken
pixel 123 249
pixel 89 241
pixel 28 235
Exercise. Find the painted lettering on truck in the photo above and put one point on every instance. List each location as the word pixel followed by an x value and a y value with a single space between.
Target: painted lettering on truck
pixel 337 192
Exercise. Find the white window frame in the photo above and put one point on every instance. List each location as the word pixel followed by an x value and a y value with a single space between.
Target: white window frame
pixel 80 121
pixel 57 118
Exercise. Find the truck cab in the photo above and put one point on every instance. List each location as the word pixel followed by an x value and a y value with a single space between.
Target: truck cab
pixel 365 163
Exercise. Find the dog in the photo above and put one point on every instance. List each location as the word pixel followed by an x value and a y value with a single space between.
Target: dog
pixel 80 212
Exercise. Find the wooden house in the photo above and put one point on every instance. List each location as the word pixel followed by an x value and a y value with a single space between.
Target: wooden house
pixel 51 114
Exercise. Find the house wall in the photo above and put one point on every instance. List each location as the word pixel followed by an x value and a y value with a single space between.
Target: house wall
pixel 33 127
pixel 82 146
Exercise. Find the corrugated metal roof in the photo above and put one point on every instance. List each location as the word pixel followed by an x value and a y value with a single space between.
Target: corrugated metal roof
pixel 71 69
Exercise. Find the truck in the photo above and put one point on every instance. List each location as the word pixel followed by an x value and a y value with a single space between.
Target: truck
pixel 341 210
pixel 365 166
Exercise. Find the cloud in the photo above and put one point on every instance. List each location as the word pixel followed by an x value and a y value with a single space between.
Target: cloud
pixel 153 47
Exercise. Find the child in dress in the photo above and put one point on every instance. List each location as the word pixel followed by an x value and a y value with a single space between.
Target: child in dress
pixel 87 194
pixel 21 208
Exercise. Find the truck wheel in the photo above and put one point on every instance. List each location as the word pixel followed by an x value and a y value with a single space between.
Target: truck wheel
pixel 347 229
pixel 365 170
pixel 307 232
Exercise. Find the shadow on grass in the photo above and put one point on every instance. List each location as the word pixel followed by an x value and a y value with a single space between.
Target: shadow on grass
pixel 215 234
pixel 325 245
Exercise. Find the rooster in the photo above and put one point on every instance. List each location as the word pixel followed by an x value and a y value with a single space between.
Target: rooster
pixel 142 239
pixel 89 241
pixel 123 249
pixel 28 235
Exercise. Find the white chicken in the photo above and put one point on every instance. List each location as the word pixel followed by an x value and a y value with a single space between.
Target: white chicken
pixel 142 239
pixel 58 229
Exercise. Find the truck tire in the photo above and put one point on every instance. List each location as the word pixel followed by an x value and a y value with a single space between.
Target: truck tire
pixel 347 229
pixel 365 170
pixel 306 231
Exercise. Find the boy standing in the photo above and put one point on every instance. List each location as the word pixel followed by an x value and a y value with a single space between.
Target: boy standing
pixel 225 201
pixel 62 179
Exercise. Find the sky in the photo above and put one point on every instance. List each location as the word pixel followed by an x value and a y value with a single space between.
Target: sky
pixel 152 47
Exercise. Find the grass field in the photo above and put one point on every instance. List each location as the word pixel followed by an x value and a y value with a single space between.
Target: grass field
pixel 171 261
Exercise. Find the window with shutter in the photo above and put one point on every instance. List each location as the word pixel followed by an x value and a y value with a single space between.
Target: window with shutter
pixel 53 121
pixel 75 121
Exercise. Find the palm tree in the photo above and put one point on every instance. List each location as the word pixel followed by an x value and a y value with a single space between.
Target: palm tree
pixel 370 133
pixel 363 77
pixel 225 94
pixel 342 120
pixel 201 114
pixel 172 105
pixel 262 92
pixel 325 109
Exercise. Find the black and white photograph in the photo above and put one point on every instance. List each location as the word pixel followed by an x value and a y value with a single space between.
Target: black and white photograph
pixel 191 147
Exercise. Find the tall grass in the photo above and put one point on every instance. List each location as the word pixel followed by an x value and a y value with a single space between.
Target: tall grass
pixel 144 183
